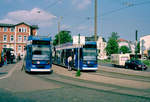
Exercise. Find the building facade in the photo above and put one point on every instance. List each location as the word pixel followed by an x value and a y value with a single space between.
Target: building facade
pixel 145 45
pixel 101 45
pixel 129 44
pixel 15 36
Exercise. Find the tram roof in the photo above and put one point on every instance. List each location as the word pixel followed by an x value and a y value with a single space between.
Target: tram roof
pixel 71 45
pixel 44 38
pixel 67 46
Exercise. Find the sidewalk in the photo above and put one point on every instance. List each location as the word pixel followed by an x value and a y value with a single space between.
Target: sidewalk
pixel 6 68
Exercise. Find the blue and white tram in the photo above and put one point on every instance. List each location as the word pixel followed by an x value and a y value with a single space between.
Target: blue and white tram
pixel 38 54
pixel 87 59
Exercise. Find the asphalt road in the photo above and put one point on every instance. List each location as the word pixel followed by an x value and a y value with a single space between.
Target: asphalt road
pixel 24 87
pixel 66 93
pixel 110 65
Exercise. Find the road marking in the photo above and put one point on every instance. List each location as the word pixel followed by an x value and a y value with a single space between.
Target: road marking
pixel 10 72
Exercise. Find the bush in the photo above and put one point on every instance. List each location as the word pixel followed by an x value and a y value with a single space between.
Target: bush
pixel 146 62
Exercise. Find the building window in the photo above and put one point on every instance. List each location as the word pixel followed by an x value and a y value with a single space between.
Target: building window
pixel 22 30
pixel 20 38
pixel 12 29
pixel 4 46
pixel 11 38
pixel 25 38
pixel 5 38
pixel 19 48
pixel 5 29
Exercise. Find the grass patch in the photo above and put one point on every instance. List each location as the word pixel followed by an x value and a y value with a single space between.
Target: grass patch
pixel 107 61
pixel 146 62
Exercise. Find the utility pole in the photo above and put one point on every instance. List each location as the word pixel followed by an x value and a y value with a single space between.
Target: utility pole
pixel 95 21
pixel 59 29
pixel 136 49
pixel 78 71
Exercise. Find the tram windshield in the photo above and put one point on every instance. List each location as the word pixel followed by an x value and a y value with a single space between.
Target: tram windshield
pixel 40 52
pixel 89 54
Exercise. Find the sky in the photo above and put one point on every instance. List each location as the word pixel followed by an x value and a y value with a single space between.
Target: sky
pixel 77 16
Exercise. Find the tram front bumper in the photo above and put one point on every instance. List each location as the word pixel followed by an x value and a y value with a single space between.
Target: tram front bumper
pixel 89 68
pixel 41 70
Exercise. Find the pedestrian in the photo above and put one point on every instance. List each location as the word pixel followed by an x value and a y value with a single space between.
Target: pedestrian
pixel 5 59
pixel 8 54
pixel 19 57
pixel 12 57
pixel 69 63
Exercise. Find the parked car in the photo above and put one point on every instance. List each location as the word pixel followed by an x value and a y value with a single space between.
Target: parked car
pixel 135 64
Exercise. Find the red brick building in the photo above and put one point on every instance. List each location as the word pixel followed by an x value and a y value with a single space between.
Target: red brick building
pixel 15 36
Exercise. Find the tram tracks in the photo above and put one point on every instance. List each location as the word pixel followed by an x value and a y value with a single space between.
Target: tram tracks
pixel 120 75
pixel 100 72
pixel 101 87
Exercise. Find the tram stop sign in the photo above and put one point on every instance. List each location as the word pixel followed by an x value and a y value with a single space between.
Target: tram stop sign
pixel 76 40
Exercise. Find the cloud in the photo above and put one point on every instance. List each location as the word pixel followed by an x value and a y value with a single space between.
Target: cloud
pixel 6 20
pixel 82 27
pixel 81 4
pixel 64 27
pixel 34 16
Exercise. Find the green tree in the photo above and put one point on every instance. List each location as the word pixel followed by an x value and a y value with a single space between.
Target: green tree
pixel 112 44
pixel 65 36
pixel 114 35
pixel 124 49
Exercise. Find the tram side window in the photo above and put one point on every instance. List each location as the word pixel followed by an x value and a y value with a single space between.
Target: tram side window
pixel 69 52
pixel 57 54
pixel 62 55
pixel 74 53
pixel 81 54
pixel 30 51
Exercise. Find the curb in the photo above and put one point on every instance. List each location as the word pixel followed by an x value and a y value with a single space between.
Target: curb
pixel 124 71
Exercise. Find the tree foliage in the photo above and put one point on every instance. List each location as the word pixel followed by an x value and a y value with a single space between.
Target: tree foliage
pixel 112 44
pixel 114 35
pixel 124 49
pixel 65 36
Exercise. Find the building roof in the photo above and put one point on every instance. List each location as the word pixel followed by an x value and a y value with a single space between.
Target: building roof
pixel 122 40
pixel 6 25
pixel 145 36
pixel 12 25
